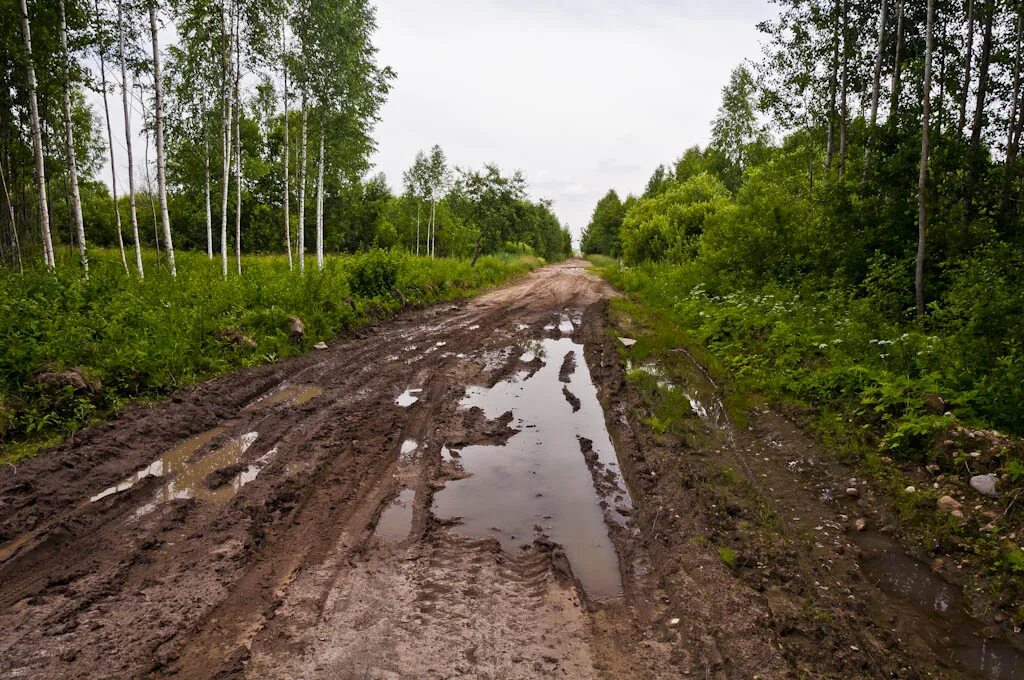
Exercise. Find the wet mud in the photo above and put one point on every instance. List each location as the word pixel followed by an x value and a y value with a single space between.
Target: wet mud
pixel 467 490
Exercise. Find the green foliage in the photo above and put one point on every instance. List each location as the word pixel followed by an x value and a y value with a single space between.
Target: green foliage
pixel 668 226
pixel 375 274
pixel 601 235
pixel 129 339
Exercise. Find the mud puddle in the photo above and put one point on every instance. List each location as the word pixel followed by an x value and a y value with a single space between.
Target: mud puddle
pixel 294 395
pixel 538 482
pixel 937 611
pixel 396 521
pixel 213 477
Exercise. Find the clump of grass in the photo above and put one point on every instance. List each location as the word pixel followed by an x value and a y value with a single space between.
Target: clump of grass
pixel 728 556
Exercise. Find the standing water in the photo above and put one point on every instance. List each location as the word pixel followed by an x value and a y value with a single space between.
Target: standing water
pixel 538 482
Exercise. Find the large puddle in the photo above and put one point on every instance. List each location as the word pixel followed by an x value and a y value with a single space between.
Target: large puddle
pixel 937 611
pixel 539 482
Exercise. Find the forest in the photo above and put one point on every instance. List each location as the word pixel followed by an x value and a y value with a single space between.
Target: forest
pixel 852 233
pixel 849 244
pixel 256 121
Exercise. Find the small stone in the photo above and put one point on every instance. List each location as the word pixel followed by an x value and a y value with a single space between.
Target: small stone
pixel 959 514
pixel 985 485
pixel 911 489
pixel 853 492
pixel 296 329
pixel 861 524
pixel 673 622
pixel 627 342
pixel 948 504
pixel 320 345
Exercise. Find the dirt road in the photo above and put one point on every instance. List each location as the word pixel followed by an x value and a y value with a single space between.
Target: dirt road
pixel 462 492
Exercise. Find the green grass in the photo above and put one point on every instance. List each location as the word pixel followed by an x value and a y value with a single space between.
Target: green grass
pixel 142 339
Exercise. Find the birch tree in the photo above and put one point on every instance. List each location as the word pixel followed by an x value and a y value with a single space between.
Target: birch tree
pixel 287 124
pixel 922 180
pixel 132 212
pixel 37 142
pixel 161 181
pixel 69 139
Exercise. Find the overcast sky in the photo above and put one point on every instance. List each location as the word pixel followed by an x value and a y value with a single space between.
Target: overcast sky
pixel 581 95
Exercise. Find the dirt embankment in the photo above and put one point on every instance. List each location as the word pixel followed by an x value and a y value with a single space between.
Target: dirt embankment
pixel 443 496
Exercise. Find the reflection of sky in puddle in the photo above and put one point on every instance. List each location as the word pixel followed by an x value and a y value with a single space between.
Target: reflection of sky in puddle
pixel 540 477
pixel 295 395
pixel 408 398
pixel 185 478
pixel 396 520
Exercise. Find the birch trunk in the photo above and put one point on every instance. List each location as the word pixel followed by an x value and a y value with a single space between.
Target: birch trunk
pixel 968 58
pixel 922 179
pixel 69 132
pixel 302 193
pixel 844 92
pixel 206 181
pixel 15 244
pixel 225 130
pixel 238 148
pixel 320 205
pixel 877 73
pixel 433 228
pixel 132 215
pixel 149 191
pixel 983 78
pixel 897 69
pixel 37 144
pixel 417 226
pixel 287 215
pixel 1013 128
pixel 161 181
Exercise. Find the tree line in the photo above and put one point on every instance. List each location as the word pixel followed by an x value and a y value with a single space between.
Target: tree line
pixel 874 140
pixel 256 126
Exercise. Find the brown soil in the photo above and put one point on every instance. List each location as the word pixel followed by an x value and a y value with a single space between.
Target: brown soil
pixel 232 531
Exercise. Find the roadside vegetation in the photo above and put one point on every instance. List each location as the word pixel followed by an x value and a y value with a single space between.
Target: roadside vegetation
pixel 75 349
pixel 862 270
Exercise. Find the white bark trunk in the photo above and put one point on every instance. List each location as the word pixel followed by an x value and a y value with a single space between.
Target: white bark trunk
pixel 877 74
pixel 922 179
pixel 15 244
pixel 433 228
pixel 69 131
pixel 37 144
pixel 287 215
pixel 302 192
pixel 238 148
pixel 417 226
pixel 225 127
pixel 206 180
pixel 132 215
pixel 161 180
pixel 320 205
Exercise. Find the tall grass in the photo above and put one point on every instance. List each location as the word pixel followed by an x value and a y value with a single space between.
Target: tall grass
pixel 143 338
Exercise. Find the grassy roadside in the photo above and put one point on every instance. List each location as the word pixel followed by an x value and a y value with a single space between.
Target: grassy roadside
pixel 75 350
pixel 897 444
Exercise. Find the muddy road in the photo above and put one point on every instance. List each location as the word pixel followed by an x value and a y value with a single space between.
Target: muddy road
pixel 466 491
